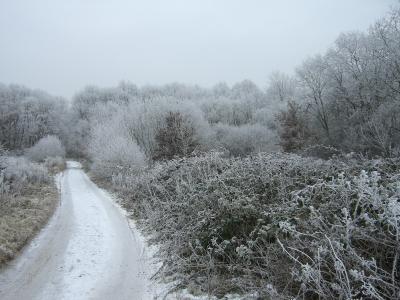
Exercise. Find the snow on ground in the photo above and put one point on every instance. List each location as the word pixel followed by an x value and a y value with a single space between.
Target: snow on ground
pixel 157 289
pixel 87 251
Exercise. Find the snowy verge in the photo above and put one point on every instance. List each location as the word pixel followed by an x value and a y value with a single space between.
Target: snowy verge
pixel 156 289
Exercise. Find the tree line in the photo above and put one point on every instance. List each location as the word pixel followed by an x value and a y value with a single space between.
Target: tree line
pixel 346 99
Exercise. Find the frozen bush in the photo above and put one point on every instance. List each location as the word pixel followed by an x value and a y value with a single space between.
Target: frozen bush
pixel 278 226
pixel 228 111
pixel 246 139
pixel 346 243
pixel 49 146
pixel 113 150
pixel 176 139
pixel 17 173
pixel 146 121
pixel 320 151
pixel 54 164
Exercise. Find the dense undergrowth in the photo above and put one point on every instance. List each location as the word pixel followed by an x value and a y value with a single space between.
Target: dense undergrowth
pixel 273 226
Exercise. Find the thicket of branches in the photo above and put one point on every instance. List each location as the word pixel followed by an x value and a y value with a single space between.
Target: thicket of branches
pixel 349 98
pixel 239 119
pixel 28 115
pixel 176 138
pixel 46 147
pixel 278 226
pixel 17 174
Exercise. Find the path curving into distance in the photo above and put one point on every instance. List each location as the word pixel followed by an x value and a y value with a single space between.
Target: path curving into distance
pixel 87 251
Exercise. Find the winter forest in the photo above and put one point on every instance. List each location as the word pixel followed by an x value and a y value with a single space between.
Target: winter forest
pixel 285 191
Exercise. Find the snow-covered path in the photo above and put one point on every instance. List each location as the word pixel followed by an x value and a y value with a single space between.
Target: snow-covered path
pixel 87 251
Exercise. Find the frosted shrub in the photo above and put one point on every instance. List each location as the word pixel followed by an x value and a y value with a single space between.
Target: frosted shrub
pixel 113 151
pixel 176 139
pixel 279 226
pixel 346 243
pixel 54 164
pixel 246 139
pixel 17 173
pixel 49 146
pixel 209 206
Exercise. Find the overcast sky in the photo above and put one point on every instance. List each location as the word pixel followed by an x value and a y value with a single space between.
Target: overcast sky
pixel 62 45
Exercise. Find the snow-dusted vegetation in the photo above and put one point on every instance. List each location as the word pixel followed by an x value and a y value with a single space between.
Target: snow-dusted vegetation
pixel 231 218
pixel 47 147
pixel 349 97
pixel 290 191
pixel 27 115
pixel 27 191
pixel 273 225
pixel 18 173
pixel 27 199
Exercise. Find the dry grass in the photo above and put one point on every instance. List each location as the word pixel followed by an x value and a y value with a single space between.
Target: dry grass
pixel 21 217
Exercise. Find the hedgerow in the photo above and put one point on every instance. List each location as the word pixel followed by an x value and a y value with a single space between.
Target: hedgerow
pixel 273 226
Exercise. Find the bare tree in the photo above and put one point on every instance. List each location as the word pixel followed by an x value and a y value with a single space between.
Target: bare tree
pixel 313 76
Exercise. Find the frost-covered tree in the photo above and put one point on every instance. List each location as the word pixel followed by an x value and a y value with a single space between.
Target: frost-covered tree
pixel 246 139
pixel 281 88
pixel 348 90
pixel 48 146
pixel 112 150
pixel 143 112
pixel 294 132
pixel 28 115
pixel 176 139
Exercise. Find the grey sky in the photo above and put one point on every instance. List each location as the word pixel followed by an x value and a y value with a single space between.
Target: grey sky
pixel 62 45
